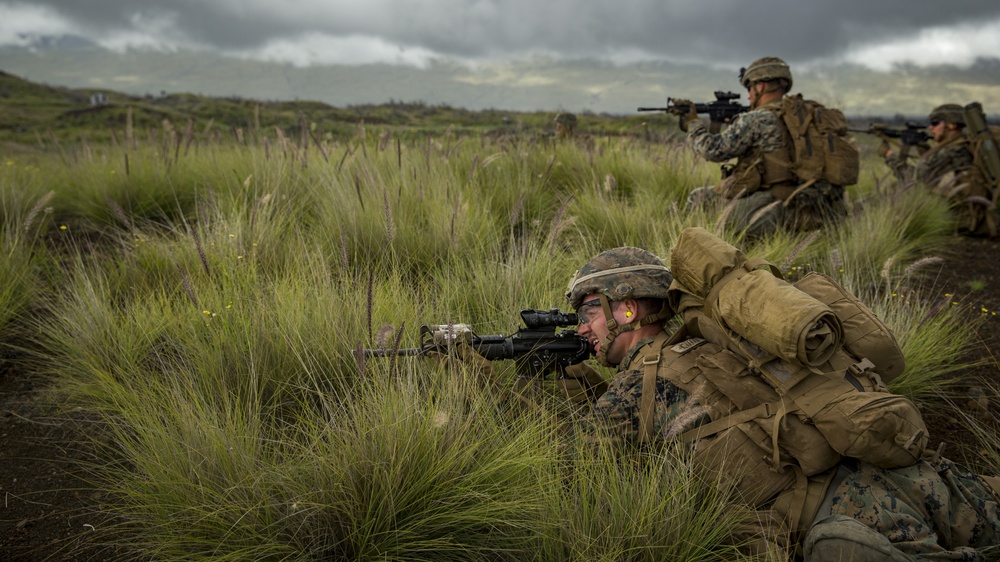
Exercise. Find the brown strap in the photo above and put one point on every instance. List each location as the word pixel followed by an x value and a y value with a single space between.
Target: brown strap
pixel 761 411
pixel 647 404
pixel 799 504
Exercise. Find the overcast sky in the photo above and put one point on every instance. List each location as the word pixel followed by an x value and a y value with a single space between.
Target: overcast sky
pixel 721 33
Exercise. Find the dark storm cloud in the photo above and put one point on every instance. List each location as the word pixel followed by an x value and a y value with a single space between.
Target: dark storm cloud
pixel 723 31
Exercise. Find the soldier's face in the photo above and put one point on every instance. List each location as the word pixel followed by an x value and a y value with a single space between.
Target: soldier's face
pixel 937 129
pixel 594 327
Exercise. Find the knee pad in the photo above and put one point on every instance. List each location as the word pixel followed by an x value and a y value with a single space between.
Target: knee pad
pixel 838 538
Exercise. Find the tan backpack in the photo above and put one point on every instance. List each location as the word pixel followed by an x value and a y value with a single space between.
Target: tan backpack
pixel 827 362
pixel 822 147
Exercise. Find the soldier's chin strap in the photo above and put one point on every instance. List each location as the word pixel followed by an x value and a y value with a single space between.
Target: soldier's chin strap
pixel 615 329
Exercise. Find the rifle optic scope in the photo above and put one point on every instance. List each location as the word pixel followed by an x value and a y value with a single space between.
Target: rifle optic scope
pixel 544 318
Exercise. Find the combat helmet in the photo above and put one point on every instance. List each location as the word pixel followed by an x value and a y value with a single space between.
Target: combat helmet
pixel 766 69
pixel 565 119
pixel 619 274
pixel 949 113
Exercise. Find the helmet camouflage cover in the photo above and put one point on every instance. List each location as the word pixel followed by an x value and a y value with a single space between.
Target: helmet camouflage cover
pixel 620 273
pixel 566 119
pixel 949 113
pixel 766 69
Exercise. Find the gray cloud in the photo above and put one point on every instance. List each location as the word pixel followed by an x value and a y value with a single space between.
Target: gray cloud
pixel 717 32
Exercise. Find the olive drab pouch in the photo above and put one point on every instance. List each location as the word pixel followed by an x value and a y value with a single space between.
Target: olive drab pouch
pixel 823 149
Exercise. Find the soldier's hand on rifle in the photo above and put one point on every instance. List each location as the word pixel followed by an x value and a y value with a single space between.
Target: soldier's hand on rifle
pixel 685 112
pixel 461 355
pixel 884 150
pixel 581 383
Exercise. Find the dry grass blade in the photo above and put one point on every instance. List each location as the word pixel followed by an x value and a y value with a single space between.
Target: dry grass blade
pixel 119 213
pixel 347 152
pixel 188 288
pixel 395 350
pixel 370 302
pixel 923 262
pixel 558 224
pixel 382 337
pixel 886 268
pixel 515 214
pixel 720 223
pixel 357 188
pixel 359 359
pixel 30 218
pixel 798 249
pixel 390 230
pixel 201 251
pixel 761 213
pixel 344 254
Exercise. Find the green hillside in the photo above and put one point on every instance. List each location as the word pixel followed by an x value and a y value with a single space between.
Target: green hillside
pixel 32 113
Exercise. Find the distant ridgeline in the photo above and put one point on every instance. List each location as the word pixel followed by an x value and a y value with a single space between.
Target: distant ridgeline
pixel 32 113
pixel 39 115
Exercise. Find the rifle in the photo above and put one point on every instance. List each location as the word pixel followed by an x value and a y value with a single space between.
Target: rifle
pixel 537 348
pixel 720 111
pixel 912 135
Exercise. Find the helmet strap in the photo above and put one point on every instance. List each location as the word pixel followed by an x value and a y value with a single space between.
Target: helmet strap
pixel 615 329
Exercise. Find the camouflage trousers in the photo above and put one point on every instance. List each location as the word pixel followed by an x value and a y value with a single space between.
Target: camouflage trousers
pixel 928 511
pixel 761 213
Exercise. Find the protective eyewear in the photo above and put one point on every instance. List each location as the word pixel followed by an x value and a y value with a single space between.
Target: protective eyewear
pixel 588 311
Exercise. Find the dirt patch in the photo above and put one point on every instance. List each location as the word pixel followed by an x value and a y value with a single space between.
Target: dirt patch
pixel 971 276
pixel 49 509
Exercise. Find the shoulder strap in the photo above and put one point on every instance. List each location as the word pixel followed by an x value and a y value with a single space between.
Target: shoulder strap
pixel 647 404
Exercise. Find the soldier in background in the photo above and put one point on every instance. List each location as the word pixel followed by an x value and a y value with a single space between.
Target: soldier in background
pixel 949 168
pixel 951 152
pixel 762 192
pixel 565 125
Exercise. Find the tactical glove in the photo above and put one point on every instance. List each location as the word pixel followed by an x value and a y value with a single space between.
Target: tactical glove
pixel 581 383
pixel 685 112
pixel 463 356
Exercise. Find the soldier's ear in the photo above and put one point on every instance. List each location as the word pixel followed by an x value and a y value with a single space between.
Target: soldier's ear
pixel 631 307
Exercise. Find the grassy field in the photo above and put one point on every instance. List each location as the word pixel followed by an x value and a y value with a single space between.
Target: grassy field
pixel 197 294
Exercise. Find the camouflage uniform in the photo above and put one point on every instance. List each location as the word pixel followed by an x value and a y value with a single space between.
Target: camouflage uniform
pixel 759 212
pixel 933 510
pixel 615 414
pixel 953 155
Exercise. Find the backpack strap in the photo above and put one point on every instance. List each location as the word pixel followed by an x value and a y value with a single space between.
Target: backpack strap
pixel 776 410
pixel 647 404
pixel 799 504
